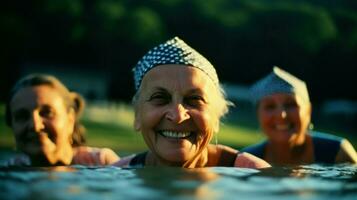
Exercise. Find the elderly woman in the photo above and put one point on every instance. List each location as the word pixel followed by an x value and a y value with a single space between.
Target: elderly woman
pixel 44 117
pixel 284 113
pixel 178 106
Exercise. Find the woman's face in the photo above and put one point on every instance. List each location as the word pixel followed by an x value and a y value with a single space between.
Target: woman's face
pixel 284 117
pixel 42 125
pixel 176 112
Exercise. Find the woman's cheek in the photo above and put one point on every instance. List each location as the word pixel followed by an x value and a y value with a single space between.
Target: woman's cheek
pixel 150 117
pixel 204 121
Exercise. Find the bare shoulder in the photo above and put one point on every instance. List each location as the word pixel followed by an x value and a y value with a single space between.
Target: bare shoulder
pixel 247 160
pixel 108 151
pixel 226 148
pixel 95 155
pixel 124 161
pixel 85 149
pixel 346 154
pixel 108 156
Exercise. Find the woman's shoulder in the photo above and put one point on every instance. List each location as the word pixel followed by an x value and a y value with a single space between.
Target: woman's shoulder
pixel 85 155
pixel 133 160
pixel 325 145
pixel 325 137
pixel 228 156
pixel 247 160
pixel 332 149
pixel 221 155
pixel 125 161
pixel 347 153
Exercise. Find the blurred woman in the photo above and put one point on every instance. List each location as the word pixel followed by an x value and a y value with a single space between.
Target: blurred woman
pixel 178 105
pixel 44 116
pixel 284 113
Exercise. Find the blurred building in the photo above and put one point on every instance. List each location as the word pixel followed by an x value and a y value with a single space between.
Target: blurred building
pixel 340 112
pixel 90 83
pixel 243 111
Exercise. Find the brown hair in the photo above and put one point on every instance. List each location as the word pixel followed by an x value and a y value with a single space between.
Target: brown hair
pixel 71 100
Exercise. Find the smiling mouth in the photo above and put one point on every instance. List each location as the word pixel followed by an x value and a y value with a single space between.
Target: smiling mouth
pixel 283 127
pixel 175 134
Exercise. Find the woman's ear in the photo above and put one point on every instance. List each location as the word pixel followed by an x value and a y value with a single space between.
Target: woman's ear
pixel 71 119
pixel 137 125
pixel 308 115
pixel 137 112
pixel 309 111
pixel 216 125
pixel 137 120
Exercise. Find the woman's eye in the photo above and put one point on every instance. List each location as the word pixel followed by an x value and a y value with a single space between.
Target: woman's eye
pixel 194 100
pixel 290 105
pixel 47 112
pixel 269 107
pixel 159 99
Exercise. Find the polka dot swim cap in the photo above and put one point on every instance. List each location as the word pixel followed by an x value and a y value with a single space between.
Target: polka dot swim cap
pixel 174 51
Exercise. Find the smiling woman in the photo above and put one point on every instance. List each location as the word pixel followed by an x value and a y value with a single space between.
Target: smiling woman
pixel 178 106
pixel 284 113
pixel 44 117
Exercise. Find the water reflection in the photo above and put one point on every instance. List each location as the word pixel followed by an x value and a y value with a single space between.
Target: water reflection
pixel 81 182
pixel 179 182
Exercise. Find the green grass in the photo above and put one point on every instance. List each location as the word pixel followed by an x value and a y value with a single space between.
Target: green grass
pixel 120 138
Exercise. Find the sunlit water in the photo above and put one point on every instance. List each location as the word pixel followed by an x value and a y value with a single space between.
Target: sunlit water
pixel 79 182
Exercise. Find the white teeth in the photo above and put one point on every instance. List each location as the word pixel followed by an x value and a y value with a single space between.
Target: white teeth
pixel 175 134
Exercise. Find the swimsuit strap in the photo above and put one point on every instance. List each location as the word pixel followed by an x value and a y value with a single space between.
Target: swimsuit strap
pixel 227 158
pixel 326 147
pixel 138 160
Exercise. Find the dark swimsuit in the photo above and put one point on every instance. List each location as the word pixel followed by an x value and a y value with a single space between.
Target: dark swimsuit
pixel 227 159
pixel 138 160
pixel 326 147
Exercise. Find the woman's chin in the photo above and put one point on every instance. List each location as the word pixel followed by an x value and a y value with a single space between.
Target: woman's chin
pixel 281 139
pixel 176 151
pixel 175 156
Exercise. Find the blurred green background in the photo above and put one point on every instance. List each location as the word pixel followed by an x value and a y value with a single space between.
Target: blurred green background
pixel 91 45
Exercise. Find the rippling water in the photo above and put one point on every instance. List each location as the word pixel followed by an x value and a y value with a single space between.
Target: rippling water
pixel 79 182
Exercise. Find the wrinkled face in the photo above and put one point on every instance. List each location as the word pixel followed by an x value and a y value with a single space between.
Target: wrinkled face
pixel 284 117
pixel 176 112
pixel 42 124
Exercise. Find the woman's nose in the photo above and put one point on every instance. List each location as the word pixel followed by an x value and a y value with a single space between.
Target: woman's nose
pixel 177 113
pixel 282 112
pixel 36 122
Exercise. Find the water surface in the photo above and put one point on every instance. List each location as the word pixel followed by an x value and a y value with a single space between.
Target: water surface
pixel 80 182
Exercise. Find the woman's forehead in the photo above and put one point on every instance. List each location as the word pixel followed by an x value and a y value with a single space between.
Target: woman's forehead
pixel 36 95
pixel 282 97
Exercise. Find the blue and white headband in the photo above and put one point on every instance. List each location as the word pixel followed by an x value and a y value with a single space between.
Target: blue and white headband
pixel 174 51
pixel 279 81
